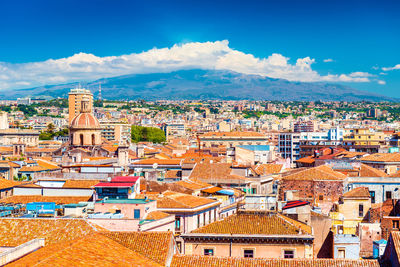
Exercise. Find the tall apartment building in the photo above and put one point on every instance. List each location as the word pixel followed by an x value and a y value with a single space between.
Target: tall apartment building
pixel 75 97
pixel 374 113
pixel 116 132
pixel 291 144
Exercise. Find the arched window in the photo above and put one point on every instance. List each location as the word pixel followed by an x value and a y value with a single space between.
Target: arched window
pixel 81 137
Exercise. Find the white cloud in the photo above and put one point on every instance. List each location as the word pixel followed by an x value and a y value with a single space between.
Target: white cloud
pixel 381 82
pixel 396 67
pixel 328 60
pixel 360 74
pixel 208 55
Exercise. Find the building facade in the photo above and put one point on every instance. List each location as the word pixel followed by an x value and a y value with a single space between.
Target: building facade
pixel 75 97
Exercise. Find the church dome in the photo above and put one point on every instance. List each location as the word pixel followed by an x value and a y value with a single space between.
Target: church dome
pixel 85 121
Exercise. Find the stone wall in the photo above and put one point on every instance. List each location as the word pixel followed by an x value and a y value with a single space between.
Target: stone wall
pixel 310 190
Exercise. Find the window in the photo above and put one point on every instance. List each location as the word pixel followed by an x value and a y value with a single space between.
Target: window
pixel 177 223
pixel 198 220
pixel 208 252
pixel 136 214
pixel 341 253
pixel 388 194
pixel 215 215
pixel 204 218
pixel 320 197
pixel 248 253
pixel 372 194
pixel 396 224
pixel 179 246
pixel 288 254
pixel 360 210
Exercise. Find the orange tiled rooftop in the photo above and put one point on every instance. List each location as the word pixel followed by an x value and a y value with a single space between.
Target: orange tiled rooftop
pixel 255 224
pixel 14 232
pixel 91 250
pixel 323 172
pixel 193 260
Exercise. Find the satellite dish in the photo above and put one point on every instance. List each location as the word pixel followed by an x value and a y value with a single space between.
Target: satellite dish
pixel 155 165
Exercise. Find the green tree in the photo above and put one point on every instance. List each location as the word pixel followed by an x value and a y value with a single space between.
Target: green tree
pixel 147 134
pixel 51 128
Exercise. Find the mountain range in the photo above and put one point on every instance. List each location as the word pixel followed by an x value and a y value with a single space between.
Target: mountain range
pixel 204 85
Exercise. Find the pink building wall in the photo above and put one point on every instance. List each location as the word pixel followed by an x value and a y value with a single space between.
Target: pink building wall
pixel 123 225
pixel 260 250
pixel 126 209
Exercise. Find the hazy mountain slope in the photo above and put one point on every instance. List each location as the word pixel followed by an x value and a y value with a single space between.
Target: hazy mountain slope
pixel 204 84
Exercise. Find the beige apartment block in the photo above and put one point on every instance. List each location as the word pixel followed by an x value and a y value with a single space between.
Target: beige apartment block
pixel 75 97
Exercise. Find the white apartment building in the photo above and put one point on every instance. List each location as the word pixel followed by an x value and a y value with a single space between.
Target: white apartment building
pixel 289 142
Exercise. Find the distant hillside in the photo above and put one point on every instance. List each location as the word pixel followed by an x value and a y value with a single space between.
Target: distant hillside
pixel 204 84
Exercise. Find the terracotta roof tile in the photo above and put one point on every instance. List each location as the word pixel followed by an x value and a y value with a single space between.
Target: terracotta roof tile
pixel 153 245
pixel 80 183
pixel 4 183
pixel 216 173
pixel 91 250
pixel 359 192
pixel 193 185
pixel 174 200
pixel 110 148
pixel 40 149
pixel 211 190
pixel 382 157
pixel 14 232
pixel 192 260
pixel 323 172
pixel 251 224
pixel 368 171
pixel 157 215
pixel 48 165
pixel 32 169
pixel 265 169
pixel 308 160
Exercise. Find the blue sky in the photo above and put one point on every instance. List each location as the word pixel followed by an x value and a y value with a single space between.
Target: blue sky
pixel 361 39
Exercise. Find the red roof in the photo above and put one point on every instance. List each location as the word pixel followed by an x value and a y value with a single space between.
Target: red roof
pixel 295 203
pixel 103 184
pixel 124 179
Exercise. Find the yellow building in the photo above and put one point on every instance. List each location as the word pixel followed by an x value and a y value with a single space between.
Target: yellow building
pixel 232 139
pixel 351 210
pixel 75 97
pixel 116 131
pixel 365 136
